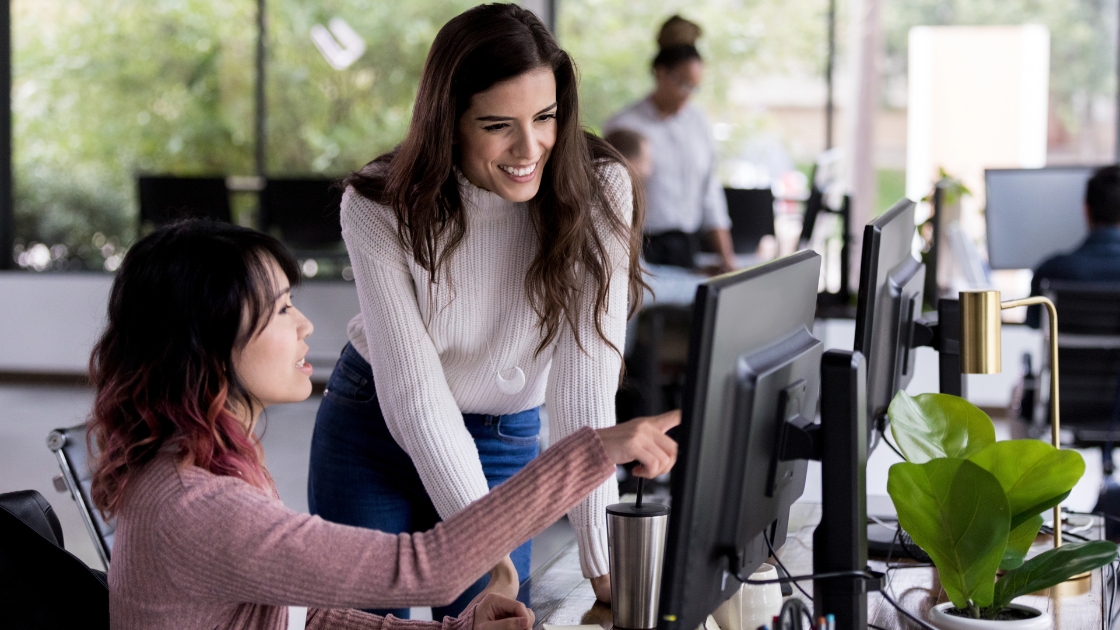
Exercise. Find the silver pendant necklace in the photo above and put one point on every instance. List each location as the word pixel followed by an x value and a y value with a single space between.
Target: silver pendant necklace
pixel 515 383
pixel 508 386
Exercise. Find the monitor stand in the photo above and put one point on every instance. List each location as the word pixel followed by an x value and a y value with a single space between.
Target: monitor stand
pixel 840 541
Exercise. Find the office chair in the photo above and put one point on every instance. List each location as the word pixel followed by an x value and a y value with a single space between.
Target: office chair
pixel 41 584
pixel 305 211
pixel 752 216
pixel 167 198
pixel 1089 360
pixel 69 446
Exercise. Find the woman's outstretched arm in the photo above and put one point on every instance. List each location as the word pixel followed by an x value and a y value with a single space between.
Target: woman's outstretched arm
pixel 224 541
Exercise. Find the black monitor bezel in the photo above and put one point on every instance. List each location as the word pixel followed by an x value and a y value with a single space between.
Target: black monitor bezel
pixel 869 294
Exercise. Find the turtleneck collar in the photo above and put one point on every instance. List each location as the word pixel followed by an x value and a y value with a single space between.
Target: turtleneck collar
pixel 480 203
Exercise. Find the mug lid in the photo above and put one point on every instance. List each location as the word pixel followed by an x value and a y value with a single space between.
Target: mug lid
pixel 630 509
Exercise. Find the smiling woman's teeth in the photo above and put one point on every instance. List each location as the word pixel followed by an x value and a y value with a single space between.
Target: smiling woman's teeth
pixel 300 362
pixel 519 172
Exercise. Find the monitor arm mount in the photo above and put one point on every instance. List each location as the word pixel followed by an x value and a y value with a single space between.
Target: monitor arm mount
pixel 943 333
pixel 839 442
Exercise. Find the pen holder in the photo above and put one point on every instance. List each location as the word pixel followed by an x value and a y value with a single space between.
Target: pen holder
pixel 636 536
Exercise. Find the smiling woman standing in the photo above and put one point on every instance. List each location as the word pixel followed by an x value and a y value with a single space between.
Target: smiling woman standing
pixel 495 252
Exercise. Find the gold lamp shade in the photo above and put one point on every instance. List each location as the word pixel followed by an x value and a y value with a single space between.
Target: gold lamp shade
pixel 980 332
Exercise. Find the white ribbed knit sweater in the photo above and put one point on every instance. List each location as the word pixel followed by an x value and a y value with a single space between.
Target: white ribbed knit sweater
pixel 433 364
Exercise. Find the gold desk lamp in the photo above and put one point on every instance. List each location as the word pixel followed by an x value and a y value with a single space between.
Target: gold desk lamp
pixel 980 352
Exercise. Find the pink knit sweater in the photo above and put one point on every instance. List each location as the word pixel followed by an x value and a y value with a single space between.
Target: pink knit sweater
pixel 197 550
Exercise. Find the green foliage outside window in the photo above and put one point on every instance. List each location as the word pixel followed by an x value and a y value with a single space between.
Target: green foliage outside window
pixel 103 91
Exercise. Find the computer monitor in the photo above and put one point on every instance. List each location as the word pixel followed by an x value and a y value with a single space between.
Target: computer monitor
pixel 166 198
pixel 305 211
pixel 891 285
pixel 1034 213
pixel 753 364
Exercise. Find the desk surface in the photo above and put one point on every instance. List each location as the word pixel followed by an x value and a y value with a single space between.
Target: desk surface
pixel 560 595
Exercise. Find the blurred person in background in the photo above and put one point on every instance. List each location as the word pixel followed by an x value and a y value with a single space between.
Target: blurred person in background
pixel 684 197
pixel 1097 258
pixel 634 148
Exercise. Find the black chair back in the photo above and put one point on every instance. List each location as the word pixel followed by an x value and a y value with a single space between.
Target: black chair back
pixel 752 217
pixel 41 584
pixel 305 211
pixel 69 446
pixel 167 198
pixel 33 509
pixel 1088 357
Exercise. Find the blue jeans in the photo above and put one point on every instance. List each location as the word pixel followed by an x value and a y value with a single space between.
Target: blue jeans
pixel 360 476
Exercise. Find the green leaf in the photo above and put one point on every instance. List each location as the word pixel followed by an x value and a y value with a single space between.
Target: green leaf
pixel 957 512
pixel 1035 475
pixel 1019 542
pixel 928 426
pixel 1050 568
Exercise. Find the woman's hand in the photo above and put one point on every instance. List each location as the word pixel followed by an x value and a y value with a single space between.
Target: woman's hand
pixel 495 612
pixel 643 439
pixel 602 587
pixel 503 581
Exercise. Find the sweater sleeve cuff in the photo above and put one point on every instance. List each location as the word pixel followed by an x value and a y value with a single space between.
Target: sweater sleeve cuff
pixel 464 621
pixel 594 559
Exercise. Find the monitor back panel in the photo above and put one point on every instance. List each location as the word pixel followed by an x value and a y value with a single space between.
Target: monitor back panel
pixel 734 315
pixel 306 211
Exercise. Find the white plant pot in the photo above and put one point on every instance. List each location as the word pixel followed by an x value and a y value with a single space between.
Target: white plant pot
pixel 945 621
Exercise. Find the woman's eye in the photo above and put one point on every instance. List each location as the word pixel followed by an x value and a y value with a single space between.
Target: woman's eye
pixel 545 117
pixel 496 127
pixel 284 309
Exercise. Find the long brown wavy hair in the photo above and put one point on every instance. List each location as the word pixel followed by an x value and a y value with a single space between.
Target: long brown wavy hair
pixel 474 51
pixel 164 367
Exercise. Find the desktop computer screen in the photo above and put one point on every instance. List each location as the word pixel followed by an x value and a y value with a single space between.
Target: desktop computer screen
pixel 167 198
pixel 753 365
pixel 1034 213
pixel 891 286
pixel 306 211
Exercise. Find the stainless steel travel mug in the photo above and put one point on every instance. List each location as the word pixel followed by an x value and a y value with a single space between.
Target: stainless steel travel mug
pixel 636 536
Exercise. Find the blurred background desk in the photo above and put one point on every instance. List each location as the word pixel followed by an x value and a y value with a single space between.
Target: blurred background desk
pixel 561 596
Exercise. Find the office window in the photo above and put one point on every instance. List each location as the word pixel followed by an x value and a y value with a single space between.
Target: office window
pixel 332 119
pixel 103 91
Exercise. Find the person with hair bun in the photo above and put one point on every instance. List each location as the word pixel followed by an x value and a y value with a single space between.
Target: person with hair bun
pixel 683 194
pixel 496 257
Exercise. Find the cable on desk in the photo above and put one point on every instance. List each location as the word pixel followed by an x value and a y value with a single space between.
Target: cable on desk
pixel 882 434
pixel 773 554
pixel 790 616
pixel 906 613
pixel 885 592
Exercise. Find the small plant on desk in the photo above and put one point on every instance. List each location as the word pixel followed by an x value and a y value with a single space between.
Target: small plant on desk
pixel 975 505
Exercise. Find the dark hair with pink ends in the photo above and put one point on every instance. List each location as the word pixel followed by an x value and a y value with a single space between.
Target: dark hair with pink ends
pixel 186 297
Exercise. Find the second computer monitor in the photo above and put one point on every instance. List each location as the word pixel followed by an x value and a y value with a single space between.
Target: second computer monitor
pixel 753 364
pixel 891 286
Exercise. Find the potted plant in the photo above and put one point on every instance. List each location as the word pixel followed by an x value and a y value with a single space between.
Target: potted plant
pixel 975 506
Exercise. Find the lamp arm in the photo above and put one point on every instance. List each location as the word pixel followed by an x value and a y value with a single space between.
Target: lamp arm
pixel 1055 422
